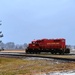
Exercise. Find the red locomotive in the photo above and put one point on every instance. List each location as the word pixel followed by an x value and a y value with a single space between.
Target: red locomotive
pixel 48 45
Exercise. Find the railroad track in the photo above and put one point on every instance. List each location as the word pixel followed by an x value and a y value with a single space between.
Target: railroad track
pixel 57 57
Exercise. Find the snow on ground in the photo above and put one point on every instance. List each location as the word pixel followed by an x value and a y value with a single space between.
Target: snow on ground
pixel 62 73
pixel 58 73
pixel 37 58
pixel 48 59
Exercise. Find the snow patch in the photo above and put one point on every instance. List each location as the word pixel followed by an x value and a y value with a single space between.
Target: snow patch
pixel 59 73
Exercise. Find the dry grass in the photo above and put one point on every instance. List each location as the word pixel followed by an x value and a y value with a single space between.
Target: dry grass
pixel 12 66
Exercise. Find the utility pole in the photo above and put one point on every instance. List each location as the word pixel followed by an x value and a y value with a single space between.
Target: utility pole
pixel 1 35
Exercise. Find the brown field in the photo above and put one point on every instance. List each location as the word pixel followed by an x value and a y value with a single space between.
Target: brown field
pixel 14 51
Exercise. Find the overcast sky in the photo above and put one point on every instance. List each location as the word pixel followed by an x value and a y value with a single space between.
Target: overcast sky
pixel 26 20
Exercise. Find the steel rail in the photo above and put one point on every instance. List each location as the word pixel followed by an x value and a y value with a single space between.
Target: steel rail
pixel 40 56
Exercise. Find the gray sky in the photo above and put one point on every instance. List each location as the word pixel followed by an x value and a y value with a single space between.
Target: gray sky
pixel 26 20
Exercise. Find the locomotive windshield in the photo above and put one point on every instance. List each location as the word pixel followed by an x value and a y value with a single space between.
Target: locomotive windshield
pixel 33 42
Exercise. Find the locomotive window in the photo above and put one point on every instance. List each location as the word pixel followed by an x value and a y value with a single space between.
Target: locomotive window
pixel 33 42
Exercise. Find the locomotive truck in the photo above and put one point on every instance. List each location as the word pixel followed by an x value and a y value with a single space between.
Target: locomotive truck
pixel 53 46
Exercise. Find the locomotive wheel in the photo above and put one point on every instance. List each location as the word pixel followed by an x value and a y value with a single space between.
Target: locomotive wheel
pixel 52 52
pixel 38 52
pixel 61 53
pixel 67 50
pixel 55 52
pixel 27 52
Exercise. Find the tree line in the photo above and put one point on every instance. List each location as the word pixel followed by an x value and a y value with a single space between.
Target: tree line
pixel 12 45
